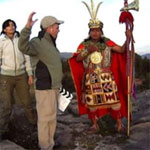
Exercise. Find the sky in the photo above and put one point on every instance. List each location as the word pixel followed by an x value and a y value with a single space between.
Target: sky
pixel 76 17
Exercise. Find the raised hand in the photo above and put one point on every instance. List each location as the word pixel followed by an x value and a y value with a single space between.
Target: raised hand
pixel 30 21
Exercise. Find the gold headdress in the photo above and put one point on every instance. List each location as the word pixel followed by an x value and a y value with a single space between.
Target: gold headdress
pixel 94 22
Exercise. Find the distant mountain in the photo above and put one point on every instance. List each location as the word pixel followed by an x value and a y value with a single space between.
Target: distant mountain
pixel 66 55
pixel 146 55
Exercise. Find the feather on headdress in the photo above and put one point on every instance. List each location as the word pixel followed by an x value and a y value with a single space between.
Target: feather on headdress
pixel 94 22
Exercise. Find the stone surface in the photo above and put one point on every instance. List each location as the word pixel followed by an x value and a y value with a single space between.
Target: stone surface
pixel 8 145
pixel 72 134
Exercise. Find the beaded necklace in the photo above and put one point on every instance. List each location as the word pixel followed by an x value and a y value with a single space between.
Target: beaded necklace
pixel 100 45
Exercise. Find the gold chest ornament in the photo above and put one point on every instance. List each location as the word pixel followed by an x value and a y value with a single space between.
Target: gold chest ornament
pixel 96 57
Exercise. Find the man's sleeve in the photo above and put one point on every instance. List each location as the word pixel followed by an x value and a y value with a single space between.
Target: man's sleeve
pixel 25 45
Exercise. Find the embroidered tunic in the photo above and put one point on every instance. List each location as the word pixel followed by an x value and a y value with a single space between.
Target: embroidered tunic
pixel 99 87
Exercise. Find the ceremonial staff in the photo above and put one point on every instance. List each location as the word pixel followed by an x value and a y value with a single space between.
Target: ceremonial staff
pixel 127 18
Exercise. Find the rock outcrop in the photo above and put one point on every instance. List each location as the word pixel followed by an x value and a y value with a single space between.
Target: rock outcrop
pixel 72 133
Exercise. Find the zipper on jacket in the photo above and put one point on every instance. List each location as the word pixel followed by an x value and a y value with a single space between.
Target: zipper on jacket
pixel 14 56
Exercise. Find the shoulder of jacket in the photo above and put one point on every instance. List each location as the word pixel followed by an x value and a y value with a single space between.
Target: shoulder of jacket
pixel 35 39
pixel 2 37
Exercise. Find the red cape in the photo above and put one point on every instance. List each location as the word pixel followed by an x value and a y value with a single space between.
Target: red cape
pixel 118 69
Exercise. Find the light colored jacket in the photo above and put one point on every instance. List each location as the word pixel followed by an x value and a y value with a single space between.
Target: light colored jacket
pixel 12 61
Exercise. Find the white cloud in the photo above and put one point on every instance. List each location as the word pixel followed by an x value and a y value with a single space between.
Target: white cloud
pixel 76 18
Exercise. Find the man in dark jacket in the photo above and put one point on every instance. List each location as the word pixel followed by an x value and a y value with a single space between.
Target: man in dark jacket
pixel 48 74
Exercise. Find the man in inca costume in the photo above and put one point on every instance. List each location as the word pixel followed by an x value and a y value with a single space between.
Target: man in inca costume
pixel 99 73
